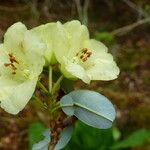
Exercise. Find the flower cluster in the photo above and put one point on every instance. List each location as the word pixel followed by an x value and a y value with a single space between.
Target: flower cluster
pixel 78 55
pixel 24 53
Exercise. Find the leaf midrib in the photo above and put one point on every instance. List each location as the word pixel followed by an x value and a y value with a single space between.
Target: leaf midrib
pixel 86 108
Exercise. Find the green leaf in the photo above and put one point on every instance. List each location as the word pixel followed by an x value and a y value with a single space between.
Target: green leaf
pixel 116 133
pixel 35 131
pixel 43 145
pixel 65 137
pixel 137 138
pixel 67 104
pixel 67 85
pixel 90 107
pixel 104 36
pixel 88 138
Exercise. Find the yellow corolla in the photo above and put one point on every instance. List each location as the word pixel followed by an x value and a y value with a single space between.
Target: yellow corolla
pixel 21 62
pixel 82 57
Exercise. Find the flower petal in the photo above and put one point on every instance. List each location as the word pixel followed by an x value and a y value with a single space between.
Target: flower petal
pixel 3 58
pixel 101 64
pixel 95 46
pixel 34 52
pixel 14 97
pixel 68 39
pixel 7 82
pixel 103 70
pixel 77 34
pixel 14 36
pixel 60 42
pixel 71 69
pixel 25 51
pixel 33 44
pixel 46 34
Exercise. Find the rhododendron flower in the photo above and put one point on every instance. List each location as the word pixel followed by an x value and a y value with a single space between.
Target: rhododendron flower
pixel 46 33
pixel 81 57
pixel 21 62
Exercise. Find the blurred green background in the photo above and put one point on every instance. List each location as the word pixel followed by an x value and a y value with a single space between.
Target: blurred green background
pixel 124 26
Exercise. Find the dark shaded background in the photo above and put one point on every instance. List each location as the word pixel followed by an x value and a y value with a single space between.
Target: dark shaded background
pixel 123 26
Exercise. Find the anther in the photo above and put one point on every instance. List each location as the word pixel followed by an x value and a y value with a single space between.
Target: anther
pixel 89 54
pixel 12 59
pixel 13 66
pixel 7 64
pixel 81 56
pixel 14 73
pixel 84 59
pixel 84 50
pixel 10 55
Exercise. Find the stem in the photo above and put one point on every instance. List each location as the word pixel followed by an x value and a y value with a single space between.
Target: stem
pixel 39 102
pixel 43 87
pixel 56 107
pixel 50 79
pixel 55 133
pixel 57 85
pixel 51 146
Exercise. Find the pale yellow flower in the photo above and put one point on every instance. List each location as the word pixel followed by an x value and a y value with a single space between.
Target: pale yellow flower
pixel 21 62
pixel 46 33
pixel 82 57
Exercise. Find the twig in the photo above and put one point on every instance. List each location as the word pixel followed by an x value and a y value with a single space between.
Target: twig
pixel 14 9
pixel 136 8
pixel 73 9
pixel 85 12
pixel 79 9
pixel 46 6
pixel 125 29
pixel 82 11
pixel 34 11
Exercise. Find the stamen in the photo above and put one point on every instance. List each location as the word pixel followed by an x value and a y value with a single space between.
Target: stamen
pixel 84 59
pixel 89 54
pixel 81 56
pixel 14 73
pixel 7 64
pixel 12 58
pixel 77 54
pixel 84 54
pixel 13 67
pixel 84 50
